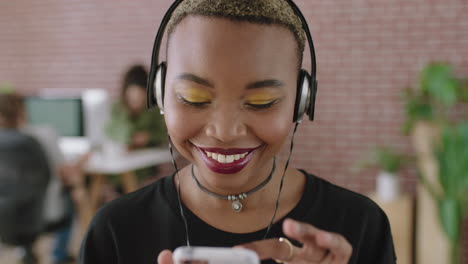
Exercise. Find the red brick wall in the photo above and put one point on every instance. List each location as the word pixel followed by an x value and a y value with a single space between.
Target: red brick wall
pixel 367 52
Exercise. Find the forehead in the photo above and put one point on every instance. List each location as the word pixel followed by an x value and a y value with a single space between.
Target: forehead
pixel 221 46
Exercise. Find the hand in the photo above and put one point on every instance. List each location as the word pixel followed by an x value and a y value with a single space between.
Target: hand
pixel 319 247
pixel 165 257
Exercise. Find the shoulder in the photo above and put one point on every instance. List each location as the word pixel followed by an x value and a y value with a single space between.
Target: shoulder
pixel 124 221
pixel 339 199
pixel 340 210
pixel 364 224
pixel 17 141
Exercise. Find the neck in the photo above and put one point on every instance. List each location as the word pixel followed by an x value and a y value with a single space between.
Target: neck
pixel 258 186
pixel 257 210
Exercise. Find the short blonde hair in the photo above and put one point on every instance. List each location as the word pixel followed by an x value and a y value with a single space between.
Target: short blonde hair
pixel 268 12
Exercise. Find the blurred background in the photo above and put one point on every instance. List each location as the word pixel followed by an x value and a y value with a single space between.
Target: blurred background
pixel 392 86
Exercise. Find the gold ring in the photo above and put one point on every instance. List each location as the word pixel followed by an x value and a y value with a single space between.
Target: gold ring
pixel 291 250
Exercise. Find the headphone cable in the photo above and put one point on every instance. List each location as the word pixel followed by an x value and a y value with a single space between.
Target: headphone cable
pixel 291 147
pixel 179 198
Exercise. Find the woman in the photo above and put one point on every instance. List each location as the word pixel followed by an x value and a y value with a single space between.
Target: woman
pixel 130 123
pixel 229 98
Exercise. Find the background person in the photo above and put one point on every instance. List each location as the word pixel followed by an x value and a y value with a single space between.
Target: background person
pixel 60 205
pixel 130 123
pixel 24 177
pixel 133 126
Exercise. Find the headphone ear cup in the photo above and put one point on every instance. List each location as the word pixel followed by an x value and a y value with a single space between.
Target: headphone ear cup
pixel 302 96
pixel 311 102
pixel 150 96
pixel 158 86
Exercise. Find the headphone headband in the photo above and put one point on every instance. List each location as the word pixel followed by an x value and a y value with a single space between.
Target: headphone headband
pixel 306 102
pixel 157 44
pixel 305 26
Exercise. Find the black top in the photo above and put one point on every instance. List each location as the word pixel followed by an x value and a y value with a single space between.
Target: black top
pixel 24 175
pixel 137 227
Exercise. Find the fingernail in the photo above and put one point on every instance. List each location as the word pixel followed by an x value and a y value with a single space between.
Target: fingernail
pixel 288 226
pixel 297 227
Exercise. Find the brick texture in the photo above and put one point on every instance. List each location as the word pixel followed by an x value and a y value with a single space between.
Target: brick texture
pixel 367 52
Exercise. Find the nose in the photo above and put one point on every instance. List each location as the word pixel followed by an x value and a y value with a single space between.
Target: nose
pixel 226 125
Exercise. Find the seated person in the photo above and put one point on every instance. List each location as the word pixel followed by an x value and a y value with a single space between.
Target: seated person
pixel 24 176
pixel 130 123
pixel 59 210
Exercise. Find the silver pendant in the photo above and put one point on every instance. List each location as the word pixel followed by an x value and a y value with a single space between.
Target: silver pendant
pixel 237 206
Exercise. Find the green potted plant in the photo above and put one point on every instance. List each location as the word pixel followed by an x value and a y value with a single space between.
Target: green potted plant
pixel 452 156
pixel 441 142
pixel 388 161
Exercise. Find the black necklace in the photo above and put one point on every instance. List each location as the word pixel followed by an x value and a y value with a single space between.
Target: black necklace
pixel 236 198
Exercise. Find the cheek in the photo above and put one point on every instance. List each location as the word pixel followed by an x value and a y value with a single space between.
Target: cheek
pixel 274 128
pixel 181 124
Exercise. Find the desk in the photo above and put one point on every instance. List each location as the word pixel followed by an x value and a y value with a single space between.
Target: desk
pixel 400 214
pixel 124 165
pixel 130 161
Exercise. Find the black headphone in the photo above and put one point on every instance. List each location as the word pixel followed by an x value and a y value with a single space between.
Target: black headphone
pixel 306 83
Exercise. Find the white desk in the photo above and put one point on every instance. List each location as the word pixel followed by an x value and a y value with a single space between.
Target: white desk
pixel 124 165
pixel 137 159
pixel 99 165
pixel 73 147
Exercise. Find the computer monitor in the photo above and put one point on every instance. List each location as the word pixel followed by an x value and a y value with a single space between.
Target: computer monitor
pixel 65 115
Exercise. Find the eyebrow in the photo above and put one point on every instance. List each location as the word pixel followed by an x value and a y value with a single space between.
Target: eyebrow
pixel 255 85
pixel 196 79
pixel 266 83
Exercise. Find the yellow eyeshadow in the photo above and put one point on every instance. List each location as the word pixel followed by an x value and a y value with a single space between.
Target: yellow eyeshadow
pixel 196 95
pixel 260 98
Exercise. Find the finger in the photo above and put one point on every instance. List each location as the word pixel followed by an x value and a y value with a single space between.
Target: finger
pixel 307 235
pixel 300 231
pixel 165 257
pixel 271 249
pixel 340 248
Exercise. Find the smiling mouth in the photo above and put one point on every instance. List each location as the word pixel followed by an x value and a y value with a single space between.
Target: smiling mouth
pixel 227 160
pixel 221 158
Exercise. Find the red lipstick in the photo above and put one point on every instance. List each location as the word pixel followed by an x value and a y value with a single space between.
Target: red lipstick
pixel 227 168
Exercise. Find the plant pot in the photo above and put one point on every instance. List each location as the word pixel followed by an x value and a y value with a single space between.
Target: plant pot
pixel 388 186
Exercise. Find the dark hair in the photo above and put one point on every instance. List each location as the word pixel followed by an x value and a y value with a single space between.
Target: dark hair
pixel 11 107
pixel 135 75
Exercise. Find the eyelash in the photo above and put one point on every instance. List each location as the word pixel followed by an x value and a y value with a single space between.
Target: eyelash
pixel 200 104
pixel 262 106
pixel 255 107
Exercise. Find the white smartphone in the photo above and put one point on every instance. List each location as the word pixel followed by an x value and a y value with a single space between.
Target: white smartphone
pixel 214 255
